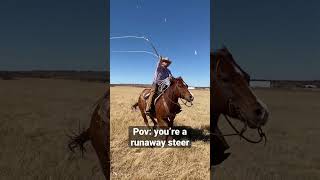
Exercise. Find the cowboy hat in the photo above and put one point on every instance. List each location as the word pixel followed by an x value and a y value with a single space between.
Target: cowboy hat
pixel 165 59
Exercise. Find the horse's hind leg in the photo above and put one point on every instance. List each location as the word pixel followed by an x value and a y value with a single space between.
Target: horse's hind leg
pixel 154 122
pixel 142 107
pixel 145 119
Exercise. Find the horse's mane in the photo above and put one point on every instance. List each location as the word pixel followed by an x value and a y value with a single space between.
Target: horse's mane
pixel 178 78
pixel 224 54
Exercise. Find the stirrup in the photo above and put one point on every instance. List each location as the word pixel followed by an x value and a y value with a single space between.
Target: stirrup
pixel 148 112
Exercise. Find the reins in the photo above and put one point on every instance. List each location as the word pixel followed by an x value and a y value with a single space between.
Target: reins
pixel 243 130
pixel 241 133
pixel 177 103
pixel 186 103
pixel 166 96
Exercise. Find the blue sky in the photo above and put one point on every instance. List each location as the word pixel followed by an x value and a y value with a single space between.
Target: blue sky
pixel 270 39
pixel 53 35
pixel 180 31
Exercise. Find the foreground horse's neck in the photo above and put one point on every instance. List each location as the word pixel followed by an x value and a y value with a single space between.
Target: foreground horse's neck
pixel 172 94
pixel 220 104
pixel 214 120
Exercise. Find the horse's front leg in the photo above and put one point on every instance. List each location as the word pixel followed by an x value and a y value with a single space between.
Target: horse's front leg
pixel 155 124
pixel 164 124
pixel 170 121
pixel 170 125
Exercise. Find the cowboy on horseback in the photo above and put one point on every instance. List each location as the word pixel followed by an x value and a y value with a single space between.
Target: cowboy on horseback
pixel 162 72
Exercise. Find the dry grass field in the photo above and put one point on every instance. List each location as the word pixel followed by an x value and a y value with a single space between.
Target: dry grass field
pixel 157 163
pixel 35 116
pixel 292 151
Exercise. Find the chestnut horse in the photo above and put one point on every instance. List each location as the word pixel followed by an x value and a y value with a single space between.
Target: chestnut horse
pixel 98 133
pixel 167 106
pixel 232 96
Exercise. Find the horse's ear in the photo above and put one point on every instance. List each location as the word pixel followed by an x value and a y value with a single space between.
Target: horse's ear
pixel 171 78
pixel 224 48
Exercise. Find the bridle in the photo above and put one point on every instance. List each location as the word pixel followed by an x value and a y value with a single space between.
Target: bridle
pixel 177 103
pixel 231 106
pixel 241 132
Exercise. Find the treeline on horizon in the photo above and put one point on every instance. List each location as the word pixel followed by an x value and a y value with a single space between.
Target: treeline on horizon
pixel 103 76
pixel 98 76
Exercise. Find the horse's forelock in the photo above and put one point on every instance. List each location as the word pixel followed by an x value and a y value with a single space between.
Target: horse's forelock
pixel 179 79
pixel 225 54
pixel 225 49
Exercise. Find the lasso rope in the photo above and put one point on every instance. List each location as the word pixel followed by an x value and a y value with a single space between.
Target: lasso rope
pixel 156 54
pixel 148 52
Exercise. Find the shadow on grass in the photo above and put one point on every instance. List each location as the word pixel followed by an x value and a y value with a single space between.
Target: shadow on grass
pixel 195 134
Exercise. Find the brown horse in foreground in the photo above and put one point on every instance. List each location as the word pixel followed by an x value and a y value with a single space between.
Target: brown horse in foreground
pixel 232 96
pixel 167 106
pixel 98 134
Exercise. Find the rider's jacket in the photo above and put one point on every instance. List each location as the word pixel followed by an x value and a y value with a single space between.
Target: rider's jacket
pixel 161 73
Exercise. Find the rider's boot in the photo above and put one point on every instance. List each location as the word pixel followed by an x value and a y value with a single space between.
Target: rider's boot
pixel 150 100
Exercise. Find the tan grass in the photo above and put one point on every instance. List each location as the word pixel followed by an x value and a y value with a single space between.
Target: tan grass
pixel 293 132
pixel 157 163
pixel 35 115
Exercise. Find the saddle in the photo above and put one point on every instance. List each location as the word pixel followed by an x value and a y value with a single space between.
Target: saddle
pixel 163 85
pixel 158 94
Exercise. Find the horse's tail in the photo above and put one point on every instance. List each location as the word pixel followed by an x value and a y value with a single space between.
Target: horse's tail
pixel 134 107
pixel 78 141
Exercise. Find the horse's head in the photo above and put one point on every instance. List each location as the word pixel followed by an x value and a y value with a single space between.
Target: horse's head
pixel 182 90
pixel 232 93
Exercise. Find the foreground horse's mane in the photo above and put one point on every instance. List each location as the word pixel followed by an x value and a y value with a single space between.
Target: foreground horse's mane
pixel 224 53
pixel 176 79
